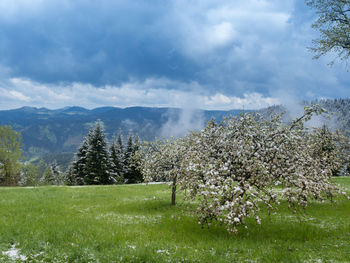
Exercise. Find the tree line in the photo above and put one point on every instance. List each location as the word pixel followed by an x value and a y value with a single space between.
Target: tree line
pixel 96 161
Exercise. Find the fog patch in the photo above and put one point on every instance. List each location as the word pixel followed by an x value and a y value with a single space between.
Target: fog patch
pixel 129 124
pixel 181 121
pixel 294 109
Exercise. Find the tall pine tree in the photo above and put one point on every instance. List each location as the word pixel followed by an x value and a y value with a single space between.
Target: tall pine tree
pixel 116 159
pixel 135 168
pixel 127 158
pixel 78 170
pixel 133 174
pixel 97 159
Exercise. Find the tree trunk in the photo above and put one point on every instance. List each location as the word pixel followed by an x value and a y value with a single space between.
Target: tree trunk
pixel 173 193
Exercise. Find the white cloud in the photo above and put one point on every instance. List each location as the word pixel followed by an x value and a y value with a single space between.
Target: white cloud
pixel 219 35
pixel 19 96
pixel 248 101
pixel 204 26
pixel 153 92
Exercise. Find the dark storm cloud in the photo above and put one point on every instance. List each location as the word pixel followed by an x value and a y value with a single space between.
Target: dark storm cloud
pixel 104 42
pixel 220 51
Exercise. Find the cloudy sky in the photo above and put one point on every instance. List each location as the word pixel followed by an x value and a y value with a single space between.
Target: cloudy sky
pixel 206 54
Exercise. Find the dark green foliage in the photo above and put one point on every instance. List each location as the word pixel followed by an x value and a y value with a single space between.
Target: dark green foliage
pixel 93 164
pixel 97 159
pixel 78 170
pixel 127 157
pixel 70 176
pixel 116 157
pixel 133 174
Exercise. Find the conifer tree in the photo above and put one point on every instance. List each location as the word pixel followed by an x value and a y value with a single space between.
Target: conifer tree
pixel 127 158
pixel 133 174
pixel 70 176
pixel 97 161
pixel 78 170
pixel 135 167
pixel 116 160
pixel 120 143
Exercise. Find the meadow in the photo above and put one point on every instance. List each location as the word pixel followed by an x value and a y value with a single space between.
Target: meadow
pixel 136 223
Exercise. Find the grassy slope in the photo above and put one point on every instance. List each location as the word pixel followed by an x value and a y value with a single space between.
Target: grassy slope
pixel 135 223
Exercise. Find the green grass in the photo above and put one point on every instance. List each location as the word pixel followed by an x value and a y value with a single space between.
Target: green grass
pixel 135 223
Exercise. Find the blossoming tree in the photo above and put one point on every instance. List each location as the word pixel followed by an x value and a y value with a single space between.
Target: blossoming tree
pixel 162 161
pixel 233 168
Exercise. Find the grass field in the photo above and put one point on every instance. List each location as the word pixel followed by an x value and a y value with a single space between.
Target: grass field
pixel 135 223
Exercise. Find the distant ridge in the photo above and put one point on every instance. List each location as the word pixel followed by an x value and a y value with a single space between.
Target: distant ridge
pixel 56 134
pixel 46 131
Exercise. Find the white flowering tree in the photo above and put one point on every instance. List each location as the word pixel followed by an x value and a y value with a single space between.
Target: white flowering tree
pixel 234 168
pixel 162 161
pixel 246 162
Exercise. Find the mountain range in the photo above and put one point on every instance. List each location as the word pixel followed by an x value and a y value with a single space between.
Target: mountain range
pixel 56 134
pixel 47 132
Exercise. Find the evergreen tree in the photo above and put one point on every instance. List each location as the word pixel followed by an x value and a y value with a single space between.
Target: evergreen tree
pixel 135 167
pixel 70 178
pixel 97 161
pixel 120 143
pixel 116 160
pixel 78 170
pixel 127 158
pixel 133 174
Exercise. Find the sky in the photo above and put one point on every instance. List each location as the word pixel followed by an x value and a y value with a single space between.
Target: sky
pixel 177 53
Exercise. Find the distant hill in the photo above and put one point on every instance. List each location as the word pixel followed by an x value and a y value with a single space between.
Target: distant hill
pixel 53 132
pixel 56 134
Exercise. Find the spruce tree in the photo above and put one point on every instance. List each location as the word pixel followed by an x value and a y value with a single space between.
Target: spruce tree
pixel 78 170
pixel 127 159
pixel 116 160
pixel 97 161
pixel 133 174
pixel 70 176
pixel 120 143
pixel 135 162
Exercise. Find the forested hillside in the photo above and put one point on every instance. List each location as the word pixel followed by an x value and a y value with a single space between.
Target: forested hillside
pixel 49 133
pixel 56 134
